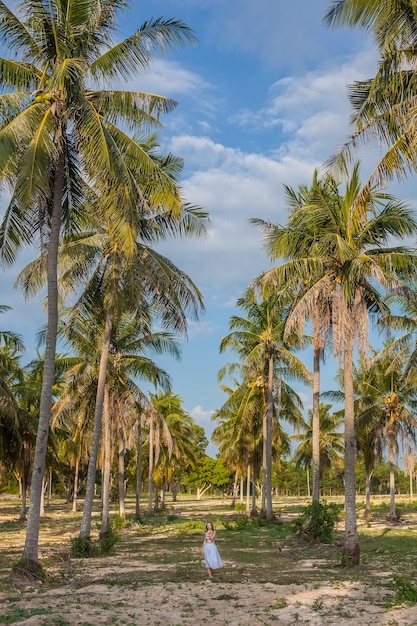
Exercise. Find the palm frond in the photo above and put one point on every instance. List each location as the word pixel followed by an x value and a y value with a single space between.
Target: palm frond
pixel 135 52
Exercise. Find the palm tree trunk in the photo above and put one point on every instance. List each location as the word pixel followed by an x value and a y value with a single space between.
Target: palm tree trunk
pixel 139 469
pixel 234 490
pixel 24 481
pixel 30 556
pixel 85 529
pixel 23 495
pixel 266 500
pixel 368 513
pixel 49 487
pixel 248 491
pixel 76 476
pixel 316 425
pixel 150 483
pixel 42 506
pixel 105 489
pixel 351 546
pixel 264 455
pixel 270 417
pixel 121 474
pixel 392 508
pixel 255 476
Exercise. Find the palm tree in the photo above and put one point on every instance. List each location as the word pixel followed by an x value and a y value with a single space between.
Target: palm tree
pixel 239 430
pixel 173 444
pixel 350 257
pixel 383 106
pixel 388 411
pixel 289 242
pixel 258 339
pixel 17 414
pixel 330 440
pixel 57 133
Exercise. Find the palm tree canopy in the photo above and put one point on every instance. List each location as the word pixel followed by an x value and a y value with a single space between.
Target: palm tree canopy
pixel 383 106
pixel 60 52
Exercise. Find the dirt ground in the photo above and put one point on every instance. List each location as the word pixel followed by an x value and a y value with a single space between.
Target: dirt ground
pixel 202 602
pixel 128 589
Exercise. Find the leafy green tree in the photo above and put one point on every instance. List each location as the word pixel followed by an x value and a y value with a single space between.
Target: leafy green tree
pixel 207 474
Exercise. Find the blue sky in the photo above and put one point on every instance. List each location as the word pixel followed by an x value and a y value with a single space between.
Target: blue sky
pixel 262 102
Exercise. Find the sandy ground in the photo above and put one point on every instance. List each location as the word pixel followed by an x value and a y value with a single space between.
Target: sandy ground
pixel 217 603
pixel 208 603
pixel 129 591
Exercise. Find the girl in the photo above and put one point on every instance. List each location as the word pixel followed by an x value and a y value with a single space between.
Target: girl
pixel 211 554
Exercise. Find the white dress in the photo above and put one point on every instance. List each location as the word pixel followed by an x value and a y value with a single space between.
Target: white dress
pixel 212 558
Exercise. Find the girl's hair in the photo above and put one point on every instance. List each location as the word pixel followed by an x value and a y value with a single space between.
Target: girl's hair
pixel 212 525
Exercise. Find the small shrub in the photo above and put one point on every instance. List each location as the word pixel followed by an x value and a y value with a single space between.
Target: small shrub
pixel 82 547
pixel 317 521
pixel 121 522
pixel 241 521
pixel 106 543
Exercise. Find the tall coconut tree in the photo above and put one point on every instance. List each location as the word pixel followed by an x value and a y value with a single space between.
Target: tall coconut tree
pixel 351 257
pixel 59 132
pixel 177 449
pixel 258 339
pixel 238 433
pixel 383 107
pixel 330 440
pixel 388 411
pixel 294 241
pixel 116 278
pixel 17 413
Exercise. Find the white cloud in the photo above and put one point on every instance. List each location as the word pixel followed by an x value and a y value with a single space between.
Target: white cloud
pixel 308 115
pixel 201 416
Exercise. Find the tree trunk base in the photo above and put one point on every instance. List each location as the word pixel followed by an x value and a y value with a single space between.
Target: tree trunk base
pixel 368 514
pixel 29 569
pixel 351 556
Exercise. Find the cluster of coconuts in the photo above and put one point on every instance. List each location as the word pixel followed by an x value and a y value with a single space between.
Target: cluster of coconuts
pixel 45 97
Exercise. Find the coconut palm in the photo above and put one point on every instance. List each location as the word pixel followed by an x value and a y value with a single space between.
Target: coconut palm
pixel 383 106
pixel 294 241
pixel 17 414
pixel 175 451
pixel 258 339
pixel 330 440
pixel 58 132
pixel 239 430
pixel 388 403
pixel 116 279
pixel 351 256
